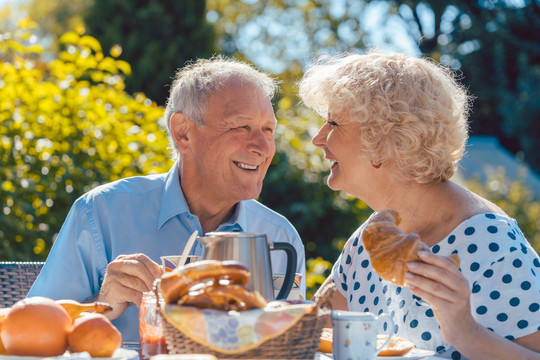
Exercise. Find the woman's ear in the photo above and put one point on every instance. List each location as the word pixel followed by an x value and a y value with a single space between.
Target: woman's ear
pixel 180 130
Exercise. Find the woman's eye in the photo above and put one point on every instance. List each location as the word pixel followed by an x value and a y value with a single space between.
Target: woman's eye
pixel 332 123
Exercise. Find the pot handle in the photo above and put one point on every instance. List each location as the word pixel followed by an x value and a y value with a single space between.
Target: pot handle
pixel 290 271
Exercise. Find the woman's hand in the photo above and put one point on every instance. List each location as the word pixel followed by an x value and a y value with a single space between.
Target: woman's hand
pixel 441 284
pixel 127 277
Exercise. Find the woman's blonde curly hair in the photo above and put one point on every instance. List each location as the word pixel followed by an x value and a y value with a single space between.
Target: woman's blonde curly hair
pixel 411 110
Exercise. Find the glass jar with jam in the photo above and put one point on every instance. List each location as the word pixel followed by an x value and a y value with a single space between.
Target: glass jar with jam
pixel 151 338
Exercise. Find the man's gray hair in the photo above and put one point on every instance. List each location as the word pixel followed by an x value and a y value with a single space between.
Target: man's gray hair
pixel 197 81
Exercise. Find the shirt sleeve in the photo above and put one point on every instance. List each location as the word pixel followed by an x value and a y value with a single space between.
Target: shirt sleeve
pixel 75 265
pixel 506 297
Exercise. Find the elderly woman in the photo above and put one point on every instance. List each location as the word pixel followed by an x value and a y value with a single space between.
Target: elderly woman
pixel 396 128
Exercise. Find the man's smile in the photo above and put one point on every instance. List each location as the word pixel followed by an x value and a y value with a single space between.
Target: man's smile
pixel 245 166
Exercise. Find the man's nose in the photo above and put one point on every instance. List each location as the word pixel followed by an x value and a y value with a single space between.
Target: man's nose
pixel 260 143
pixel 319 139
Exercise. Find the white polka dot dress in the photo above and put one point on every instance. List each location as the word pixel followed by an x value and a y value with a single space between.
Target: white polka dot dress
pixel 503 273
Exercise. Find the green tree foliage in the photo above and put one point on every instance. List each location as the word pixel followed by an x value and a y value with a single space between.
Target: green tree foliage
pixel 277 34
pixel 56 17
pixel 67 125
pixel 155 37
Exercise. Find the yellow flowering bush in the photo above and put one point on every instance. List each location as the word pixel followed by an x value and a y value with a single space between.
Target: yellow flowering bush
pixel 67 125
pixel 317 271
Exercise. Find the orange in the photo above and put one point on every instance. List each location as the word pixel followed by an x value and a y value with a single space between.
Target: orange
pixel 3 313
pixel 36 326
pixel 95 334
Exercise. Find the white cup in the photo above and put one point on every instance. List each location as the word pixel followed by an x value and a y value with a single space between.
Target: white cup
pixel 355 334
pixel 170 262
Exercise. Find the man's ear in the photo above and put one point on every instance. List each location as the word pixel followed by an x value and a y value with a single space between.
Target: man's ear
pixel 180 130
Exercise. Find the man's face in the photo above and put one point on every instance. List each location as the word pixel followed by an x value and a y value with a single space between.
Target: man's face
pixel 231 153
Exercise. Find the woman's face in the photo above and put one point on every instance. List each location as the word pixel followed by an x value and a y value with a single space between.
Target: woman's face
pixel 338 137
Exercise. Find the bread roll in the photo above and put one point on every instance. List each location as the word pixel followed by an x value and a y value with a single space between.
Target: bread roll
pixel 325 343
pixel 176 284
pixel 397 346
pixel 211 284
pixel 390 249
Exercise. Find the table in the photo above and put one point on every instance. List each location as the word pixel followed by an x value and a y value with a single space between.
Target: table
pixel 318 355
pixel 322 356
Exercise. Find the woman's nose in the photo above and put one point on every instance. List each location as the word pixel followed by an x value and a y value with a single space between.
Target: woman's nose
pixel 319 139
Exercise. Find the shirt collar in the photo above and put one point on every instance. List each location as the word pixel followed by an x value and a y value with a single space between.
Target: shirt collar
pixel 173 203
pixel 237 220
pixel 240 215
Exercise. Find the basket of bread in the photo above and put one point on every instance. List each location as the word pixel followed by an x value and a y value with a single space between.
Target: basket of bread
pixel 207 307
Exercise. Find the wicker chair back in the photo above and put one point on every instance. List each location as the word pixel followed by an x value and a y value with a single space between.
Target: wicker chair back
pixel 16 279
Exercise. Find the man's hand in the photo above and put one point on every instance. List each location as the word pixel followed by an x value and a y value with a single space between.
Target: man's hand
pixel 127 277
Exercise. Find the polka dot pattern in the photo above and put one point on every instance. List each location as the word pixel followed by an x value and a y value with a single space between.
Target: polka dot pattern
pixel 504 283
pixel 481 310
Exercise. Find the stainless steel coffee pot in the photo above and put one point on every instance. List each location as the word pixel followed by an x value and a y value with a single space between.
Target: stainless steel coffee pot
pixel 252 250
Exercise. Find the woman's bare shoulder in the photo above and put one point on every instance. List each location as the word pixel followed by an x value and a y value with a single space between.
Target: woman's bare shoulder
pixel 483 205
pixel 472 204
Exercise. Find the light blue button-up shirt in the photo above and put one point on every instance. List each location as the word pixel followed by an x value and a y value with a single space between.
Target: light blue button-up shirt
pixel 143 214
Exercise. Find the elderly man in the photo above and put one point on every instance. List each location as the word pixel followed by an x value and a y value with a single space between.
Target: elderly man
pixel 221 127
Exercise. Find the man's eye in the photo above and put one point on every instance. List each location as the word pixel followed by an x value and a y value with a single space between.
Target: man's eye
pixel 332 123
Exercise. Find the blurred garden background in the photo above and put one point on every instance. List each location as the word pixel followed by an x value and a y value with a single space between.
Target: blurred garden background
pixel 83 84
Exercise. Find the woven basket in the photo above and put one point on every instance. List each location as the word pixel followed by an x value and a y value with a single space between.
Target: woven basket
pixel 301 341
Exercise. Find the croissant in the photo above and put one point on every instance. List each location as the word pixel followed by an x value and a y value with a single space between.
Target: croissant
pixel 390 249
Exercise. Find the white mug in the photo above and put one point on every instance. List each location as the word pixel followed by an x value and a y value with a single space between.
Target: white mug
pixel 355 334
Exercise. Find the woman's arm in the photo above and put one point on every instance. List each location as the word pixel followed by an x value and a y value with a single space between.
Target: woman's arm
pixel 481 343
pixel 531 341
pixel 442 285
